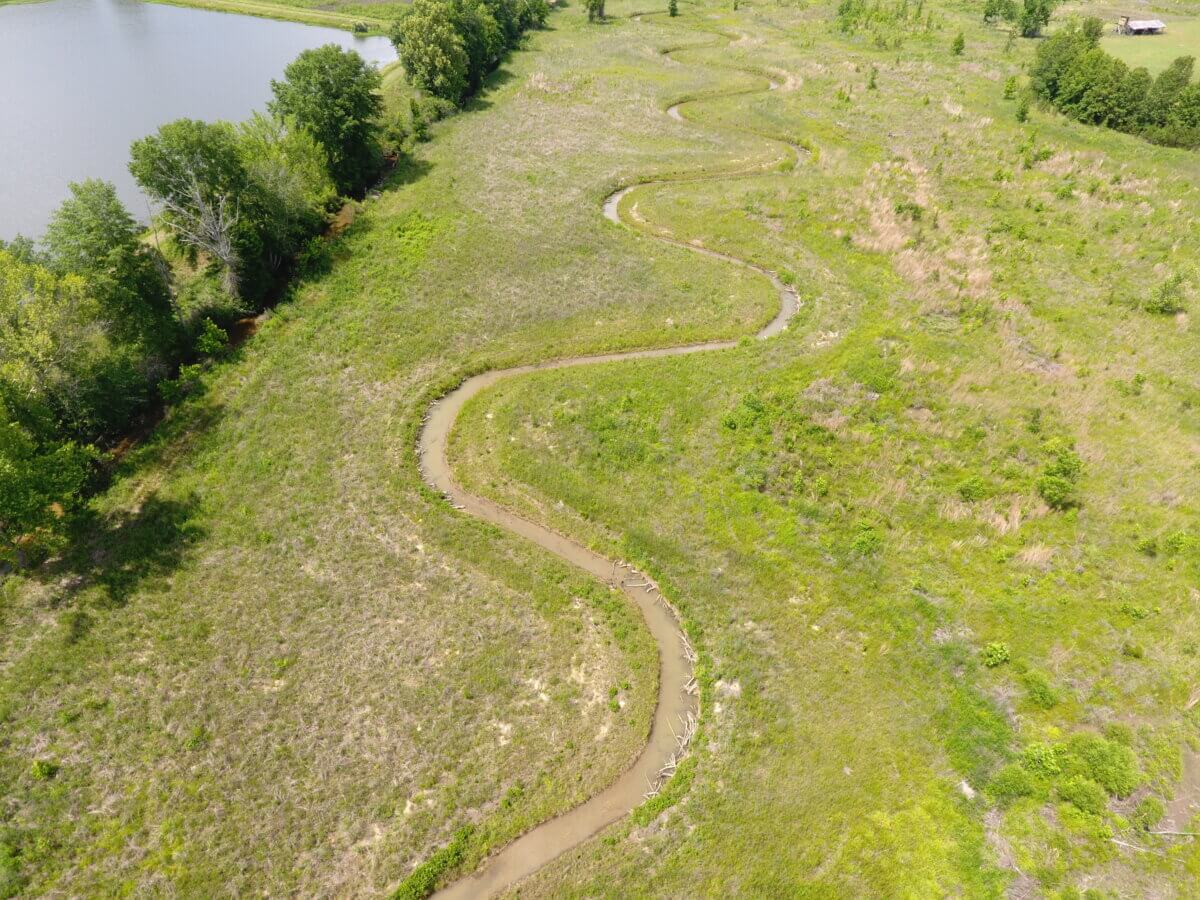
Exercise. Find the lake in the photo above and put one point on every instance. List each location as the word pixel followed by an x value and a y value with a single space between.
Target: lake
pixel 81 79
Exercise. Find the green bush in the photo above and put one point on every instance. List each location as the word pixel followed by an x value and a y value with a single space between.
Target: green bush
pixel 43 770
pixel 1058 492
pixel 1084 794
pixel 1012 782
pixel 1168 297
pixel 1112 765
pixel 1043 760
pixel 212 338
pixel 972 489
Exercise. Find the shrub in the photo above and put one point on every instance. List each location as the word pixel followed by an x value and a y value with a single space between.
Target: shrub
pixel 424 877
pixel 212 338
pixel 1168 298
pixel 866 541
pixel 958 45
pixel 1022 112
pixel 972 489
pixel 1084 794
pixel 1012 782
pixel 1038 689
pixel 996 654
pixel 1110 764
pixel 1042 760
pixel 1058 492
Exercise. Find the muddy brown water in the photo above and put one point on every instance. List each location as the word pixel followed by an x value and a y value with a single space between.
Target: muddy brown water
pixel 678 704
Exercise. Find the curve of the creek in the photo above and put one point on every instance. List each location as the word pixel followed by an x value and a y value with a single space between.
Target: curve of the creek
pixel 678 706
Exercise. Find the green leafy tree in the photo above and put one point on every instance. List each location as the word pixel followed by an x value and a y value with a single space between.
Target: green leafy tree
pixel 432 51
pixel 333 94
pixel 1101 90
pixel 291 183
pixel 483 38
pixel 673 8
pixel 1163 98
pixel 595 10
pixel 1034 16
pixel 92 234
pixel 41 486
pixel 1055 56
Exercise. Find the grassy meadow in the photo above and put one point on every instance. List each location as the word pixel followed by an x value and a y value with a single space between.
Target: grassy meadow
pixel 281 666
pixel 923 679
pixel 375 15
pixel 1155 52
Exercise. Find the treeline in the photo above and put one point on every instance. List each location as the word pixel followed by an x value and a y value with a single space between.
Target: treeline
pixel 1080 79
pixel 94 320
pixel 447 47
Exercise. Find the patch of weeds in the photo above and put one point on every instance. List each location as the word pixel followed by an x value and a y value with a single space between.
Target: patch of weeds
pixel 43 770
pixel 198 738
pixel 424 878
pixel 1148 813
pixel 997 653
pixel 12 880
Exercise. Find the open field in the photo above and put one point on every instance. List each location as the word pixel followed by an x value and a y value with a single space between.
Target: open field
pixel 1155 52
pixel 279 640
pixel 285 666
pixel 336 14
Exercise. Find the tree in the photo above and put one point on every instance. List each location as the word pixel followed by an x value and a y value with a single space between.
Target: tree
pixel 1101 90
pixel 292 183
pixel 333 94
pixel 194 170
pixel 1164 94
pixel 1034 16
pixel 483 39
pixel 92 234
pixel 63 367
pixel 41 484
pixel 432 51
pixel 994 10
pixel 595 10
pixel 673 8
pixel 1055 56
pixel 958 45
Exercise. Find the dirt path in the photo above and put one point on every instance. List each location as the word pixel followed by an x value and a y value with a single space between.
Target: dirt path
pixel 678 703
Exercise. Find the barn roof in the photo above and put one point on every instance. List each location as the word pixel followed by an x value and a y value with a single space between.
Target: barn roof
pixel 1146 23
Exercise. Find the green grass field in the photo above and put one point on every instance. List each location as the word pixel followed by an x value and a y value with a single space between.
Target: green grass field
pixel 1182 38
pixel 282 666
pixel 336 14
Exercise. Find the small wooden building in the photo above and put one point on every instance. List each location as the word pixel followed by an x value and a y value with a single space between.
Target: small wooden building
pixel 1126 25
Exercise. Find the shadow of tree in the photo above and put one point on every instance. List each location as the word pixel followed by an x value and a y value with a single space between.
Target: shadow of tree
pixel 146 541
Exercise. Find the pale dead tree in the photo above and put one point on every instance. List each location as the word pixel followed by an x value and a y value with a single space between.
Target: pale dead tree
pixel 205 223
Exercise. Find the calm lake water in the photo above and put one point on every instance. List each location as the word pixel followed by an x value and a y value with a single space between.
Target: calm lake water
pixel 81 79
